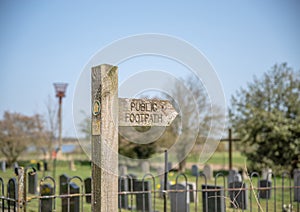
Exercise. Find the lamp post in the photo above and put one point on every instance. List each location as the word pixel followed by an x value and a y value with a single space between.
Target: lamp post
pixel 60 89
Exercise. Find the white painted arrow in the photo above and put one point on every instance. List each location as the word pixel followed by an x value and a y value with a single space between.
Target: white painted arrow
pixel 145 112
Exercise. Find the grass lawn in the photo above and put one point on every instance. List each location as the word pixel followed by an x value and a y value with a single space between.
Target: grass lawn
pixel 219 158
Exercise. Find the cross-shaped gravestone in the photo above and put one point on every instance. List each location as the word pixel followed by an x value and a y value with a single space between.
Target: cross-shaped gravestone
pixel 108 113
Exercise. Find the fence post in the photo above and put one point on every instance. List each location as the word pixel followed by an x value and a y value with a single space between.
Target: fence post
pixel 21 187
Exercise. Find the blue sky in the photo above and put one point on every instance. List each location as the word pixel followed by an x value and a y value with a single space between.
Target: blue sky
pixel 42 42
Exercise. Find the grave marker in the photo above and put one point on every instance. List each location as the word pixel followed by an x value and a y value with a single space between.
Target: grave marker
pixel 32 182
pixel 74 202
pixel 3 165
pixel 213 200
pixel 46 204
pixel 88 189
pixel 195 170
pixel 145 167
pixel 207 171
pixel 123 170
pixel 265 193
pixel 123 198
pixel 239 197
pixel 143 200
pixel 107 116
pixel 179 198
pixel 63 189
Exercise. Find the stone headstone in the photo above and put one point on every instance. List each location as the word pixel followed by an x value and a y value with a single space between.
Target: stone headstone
pixel 15 165
pixel 143 200
pixel 169 166
pixel 38 166
pixel 232 175
pixel 32 182
pixel 195 170
pixel 45 166
pixel 266 174
pixel 160 172
pixel 238 198
pixel 3 166
pixel 12 192
pixel 179 199
pixel 88 189
pixel 74 201
pixel 131 179
pixel 63 181
pixel 297 184
pixel 46 204
pixel 72 166
pixel 63 189
pixel 207 171
pixel 265 193
pixel 122 170
pixel 123 198
pixel 213 200
pixel 145 167
pixel 192 192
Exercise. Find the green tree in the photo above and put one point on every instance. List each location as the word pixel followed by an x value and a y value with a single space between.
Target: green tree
pixel 18 132
pixel 266 115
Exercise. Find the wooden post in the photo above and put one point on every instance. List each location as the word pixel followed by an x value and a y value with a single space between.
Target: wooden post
pixel 21 200
pixel 104 138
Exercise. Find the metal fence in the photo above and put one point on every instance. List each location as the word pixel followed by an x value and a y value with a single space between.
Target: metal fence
pixel 156 193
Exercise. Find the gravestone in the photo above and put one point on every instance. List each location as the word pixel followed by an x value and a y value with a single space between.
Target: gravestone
pixel 46 204
pixel 192 192
pixel 213 200
pixel 179 199
pixel 12 192
pixel 207 171
pixel 297 183
pixel 15 165
pixel 131 179
pixel 232 176
pixel 74 201
pixel 123 198
pixel 195 170
pixel 239 198
pixel 3 166
pixel 266 174
pixel 32 182
pixel 265 193
pixel 45 166
pixel 169 166
pixel 72 166
pixel 88 189
pixel 122 170
pixel 143 200
pixel 63 189
pixel 38 166
pixel 145 167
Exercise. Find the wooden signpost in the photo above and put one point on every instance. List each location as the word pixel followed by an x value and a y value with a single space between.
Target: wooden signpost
pixel 108 113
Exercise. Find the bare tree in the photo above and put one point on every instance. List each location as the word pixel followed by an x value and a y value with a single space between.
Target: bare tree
pixel 18 132
pixel 197 118
pixel 52 126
